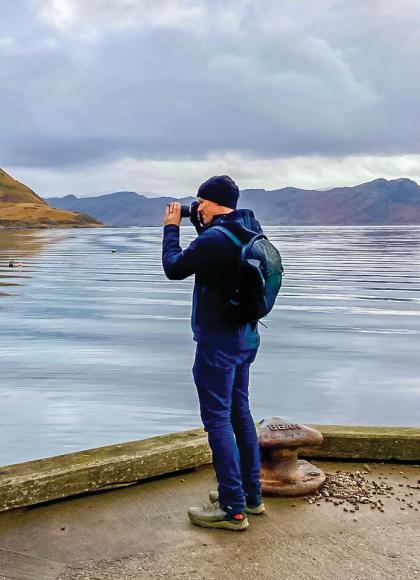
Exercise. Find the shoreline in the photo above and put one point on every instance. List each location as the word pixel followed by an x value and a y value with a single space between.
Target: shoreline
pixel 103 468
pixel 51 227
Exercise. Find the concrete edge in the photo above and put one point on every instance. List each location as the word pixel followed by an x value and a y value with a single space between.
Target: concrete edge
pixel 33 482
pixel 367 443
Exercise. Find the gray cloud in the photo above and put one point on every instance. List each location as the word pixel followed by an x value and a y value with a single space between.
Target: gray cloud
pixel 90 82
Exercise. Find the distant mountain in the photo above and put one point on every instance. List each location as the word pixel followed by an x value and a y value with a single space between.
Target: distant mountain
pixel 20 207
pixel 120 209
pixel 377 202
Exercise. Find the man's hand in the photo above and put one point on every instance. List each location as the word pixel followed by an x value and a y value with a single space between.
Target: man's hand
pixel 172 214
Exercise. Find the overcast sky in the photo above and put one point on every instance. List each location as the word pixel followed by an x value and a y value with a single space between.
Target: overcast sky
pixel 157 95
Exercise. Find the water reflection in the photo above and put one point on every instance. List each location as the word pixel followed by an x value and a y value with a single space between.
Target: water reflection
pixel 21 246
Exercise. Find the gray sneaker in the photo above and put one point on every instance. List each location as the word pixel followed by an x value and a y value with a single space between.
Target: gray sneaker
pixel 212 516
pixel 249 508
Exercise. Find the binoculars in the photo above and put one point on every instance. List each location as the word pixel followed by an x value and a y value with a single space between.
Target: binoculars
pixel 190 210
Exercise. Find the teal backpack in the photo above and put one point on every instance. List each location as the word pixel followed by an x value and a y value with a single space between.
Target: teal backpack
pixel 256 281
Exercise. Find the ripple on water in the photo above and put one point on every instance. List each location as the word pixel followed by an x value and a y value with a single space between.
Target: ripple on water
pixel 96 344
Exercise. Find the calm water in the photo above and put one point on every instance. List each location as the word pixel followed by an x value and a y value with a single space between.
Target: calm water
pixel 96 345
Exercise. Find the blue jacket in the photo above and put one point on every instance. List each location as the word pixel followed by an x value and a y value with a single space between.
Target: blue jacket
pixel 211 257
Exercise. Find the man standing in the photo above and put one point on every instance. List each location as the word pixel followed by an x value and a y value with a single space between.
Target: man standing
pixel 224 351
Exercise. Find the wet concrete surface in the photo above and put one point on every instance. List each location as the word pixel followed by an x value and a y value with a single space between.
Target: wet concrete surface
pixel 142 532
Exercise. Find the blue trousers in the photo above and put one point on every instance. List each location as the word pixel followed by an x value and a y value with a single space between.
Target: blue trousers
pixel 222 380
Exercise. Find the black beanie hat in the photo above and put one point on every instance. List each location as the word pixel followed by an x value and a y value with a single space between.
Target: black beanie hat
pixel 221 189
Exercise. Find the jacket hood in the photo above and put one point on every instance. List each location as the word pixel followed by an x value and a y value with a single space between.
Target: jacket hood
pixel 240 222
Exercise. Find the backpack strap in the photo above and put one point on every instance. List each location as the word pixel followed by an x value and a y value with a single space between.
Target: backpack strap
pixel 237 241
pixel 232 236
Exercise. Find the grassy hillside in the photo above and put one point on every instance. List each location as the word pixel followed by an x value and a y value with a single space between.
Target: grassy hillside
pixel 20 207
pixel 12 191
pixel 31 215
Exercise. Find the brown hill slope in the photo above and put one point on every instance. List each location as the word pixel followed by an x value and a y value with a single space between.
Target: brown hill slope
pixel 20 207
pixel 12 191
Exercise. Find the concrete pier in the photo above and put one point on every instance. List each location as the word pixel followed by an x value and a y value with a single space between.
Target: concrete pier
pixel 63 518
pixel 142 533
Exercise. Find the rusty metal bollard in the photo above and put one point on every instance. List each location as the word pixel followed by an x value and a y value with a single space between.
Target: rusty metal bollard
pixel 282 473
